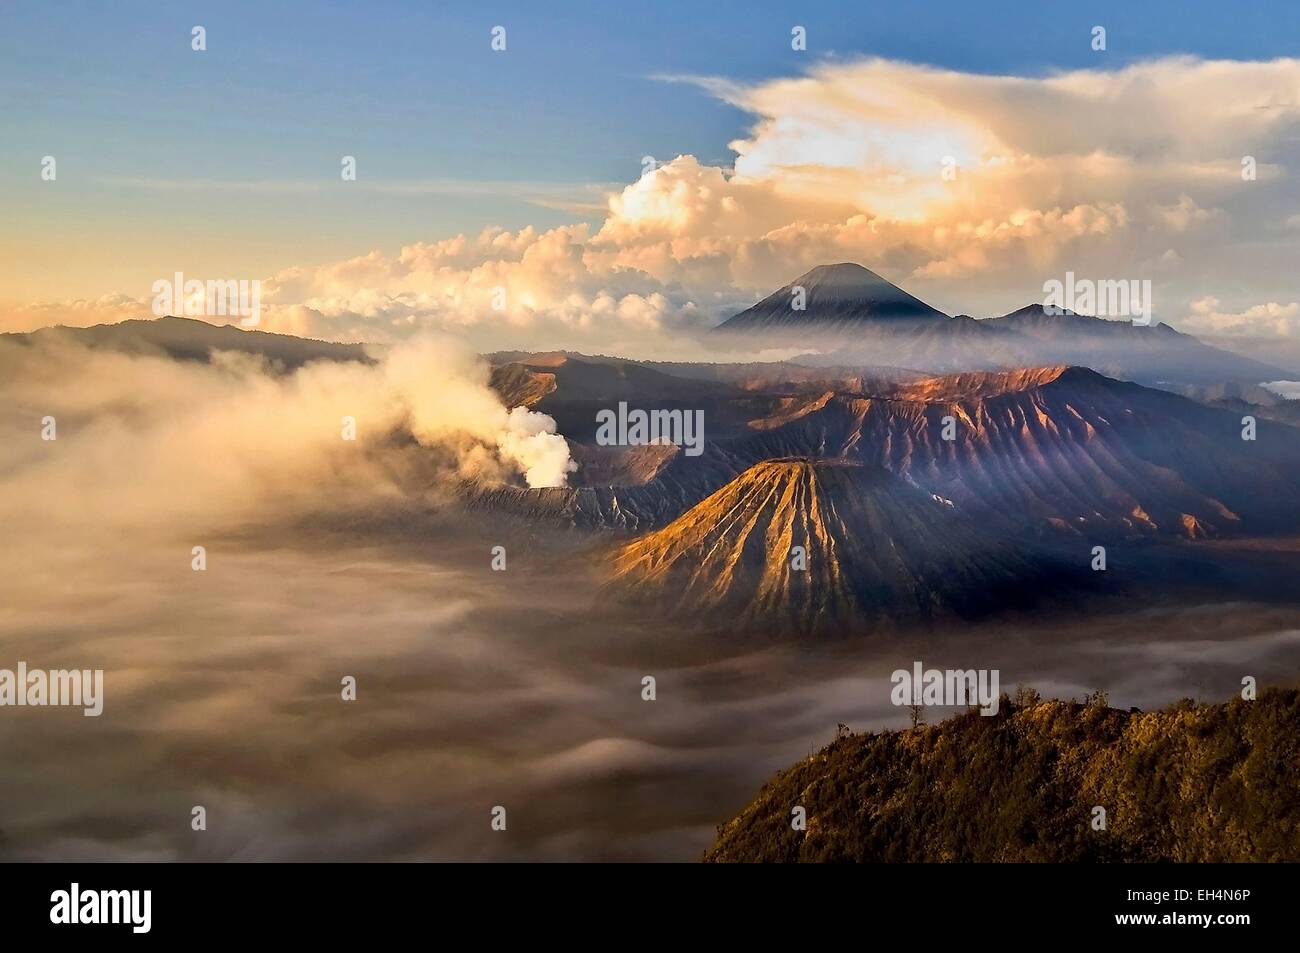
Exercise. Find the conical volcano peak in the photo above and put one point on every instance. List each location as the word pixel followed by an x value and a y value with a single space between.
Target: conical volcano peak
pixel 836 297
pixel 840 273
pixel 848 277
pixel 819 545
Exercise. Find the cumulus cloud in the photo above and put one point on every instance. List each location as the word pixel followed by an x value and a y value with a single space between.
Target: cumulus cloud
pixel 1268 332
pixel 527 287
pixel 1288 389
pixel 1090 169
pixel 1270 319
pixel 74 312
pixel 968 189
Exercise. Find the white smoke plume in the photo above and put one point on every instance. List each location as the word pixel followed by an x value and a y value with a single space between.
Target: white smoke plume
pixel 457 401
pixel 149 442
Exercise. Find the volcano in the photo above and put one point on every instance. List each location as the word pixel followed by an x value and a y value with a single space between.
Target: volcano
pixel 836 299
pixel 823 546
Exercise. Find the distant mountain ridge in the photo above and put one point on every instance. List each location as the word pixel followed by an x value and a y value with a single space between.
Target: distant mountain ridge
pixel 855 322
pixel 189 339
pixel 853 316
pixel 1156 354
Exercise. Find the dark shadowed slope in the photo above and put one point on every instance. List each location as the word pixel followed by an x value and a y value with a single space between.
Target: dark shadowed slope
pixel 539 380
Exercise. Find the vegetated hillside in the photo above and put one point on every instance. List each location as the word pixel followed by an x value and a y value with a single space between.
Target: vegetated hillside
pixel 1191 783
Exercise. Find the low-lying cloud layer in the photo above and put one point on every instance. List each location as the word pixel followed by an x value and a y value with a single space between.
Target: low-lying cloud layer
pixel 474 689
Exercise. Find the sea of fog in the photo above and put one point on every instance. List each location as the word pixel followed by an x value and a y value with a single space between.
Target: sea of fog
pixel 475 689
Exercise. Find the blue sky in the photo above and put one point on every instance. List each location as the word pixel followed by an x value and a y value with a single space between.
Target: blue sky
pixel 212 160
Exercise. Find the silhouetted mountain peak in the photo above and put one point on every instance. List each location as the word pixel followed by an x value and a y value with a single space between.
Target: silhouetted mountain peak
pixel 844 274
pixel 834 297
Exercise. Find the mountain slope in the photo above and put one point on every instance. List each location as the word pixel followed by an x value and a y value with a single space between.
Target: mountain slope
pixel 855 317
pixel 1059 446
pixel 840 299
pixel 188 339
pixel 1212 783
pixel 1155 354
pixel 543 380
pixel 877 549
pixel 1040 451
